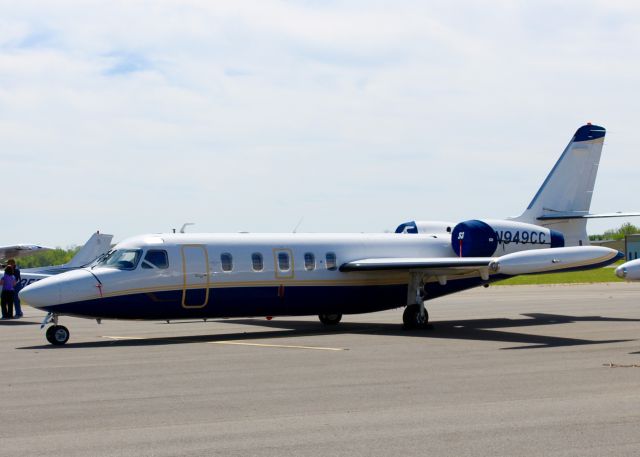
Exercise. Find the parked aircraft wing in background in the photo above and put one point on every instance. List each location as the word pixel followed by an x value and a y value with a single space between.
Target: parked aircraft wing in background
pixel 96 246
pixel 20 250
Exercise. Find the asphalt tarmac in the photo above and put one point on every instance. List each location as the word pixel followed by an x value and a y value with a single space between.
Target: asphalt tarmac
pixel 505 371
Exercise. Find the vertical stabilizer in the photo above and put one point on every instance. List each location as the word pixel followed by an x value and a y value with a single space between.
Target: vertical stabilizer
pixel 97 245
pixel 565 195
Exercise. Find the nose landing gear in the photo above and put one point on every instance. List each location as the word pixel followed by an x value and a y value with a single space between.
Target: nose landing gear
pixel 56 334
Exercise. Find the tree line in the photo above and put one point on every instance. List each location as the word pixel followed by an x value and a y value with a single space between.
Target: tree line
pixel 56 256
pixel 616 234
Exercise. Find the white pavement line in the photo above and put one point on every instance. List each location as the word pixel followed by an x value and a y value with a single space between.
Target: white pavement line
pixel 285 346
pixel 123 337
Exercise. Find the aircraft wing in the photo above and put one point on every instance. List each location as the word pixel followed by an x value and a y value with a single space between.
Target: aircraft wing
pixel 516 263
pixel 451 265
pixel 20 250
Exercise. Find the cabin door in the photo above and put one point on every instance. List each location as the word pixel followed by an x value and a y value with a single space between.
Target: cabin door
pixel 195 274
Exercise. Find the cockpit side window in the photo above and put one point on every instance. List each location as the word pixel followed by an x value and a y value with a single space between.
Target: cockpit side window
pixel 155 258
pixel 122 259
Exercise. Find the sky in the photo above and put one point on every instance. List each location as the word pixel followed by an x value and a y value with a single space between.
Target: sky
pixel 134 117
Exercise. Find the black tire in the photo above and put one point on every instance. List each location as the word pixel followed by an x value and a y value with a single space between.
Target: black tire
pixel 49 334
pixel 411 317
pixel 57 335
pixel 330 319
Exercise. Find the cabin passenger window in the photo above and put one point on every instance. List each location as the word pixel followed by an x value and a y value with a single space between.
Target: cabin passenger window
pixel 309 261
pixel 283 261
pixel 155 258
pixel 331 261
pixel 256 261
pixel 227 261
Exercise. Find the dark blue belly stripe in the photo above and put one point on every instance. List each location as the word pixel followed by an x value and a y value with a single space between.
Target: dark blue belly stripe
pixel 257 301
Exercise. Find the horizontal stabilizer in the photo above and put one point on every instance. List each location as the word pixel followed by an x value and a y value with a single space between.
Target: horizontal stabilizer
pixel 583 215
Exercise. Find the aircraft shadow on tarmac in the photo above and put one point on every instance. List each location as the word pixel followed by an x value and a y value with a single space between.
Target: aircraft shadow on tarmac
pixel 17 322
pixel 472 329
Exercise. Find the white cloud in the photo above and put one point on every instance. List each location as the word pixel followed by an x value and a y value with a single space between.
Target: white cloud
pixel 134 116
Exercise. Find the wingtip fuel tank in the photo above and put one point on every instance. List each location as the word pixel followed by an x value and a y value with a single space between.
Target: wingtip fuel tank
pixel 549 260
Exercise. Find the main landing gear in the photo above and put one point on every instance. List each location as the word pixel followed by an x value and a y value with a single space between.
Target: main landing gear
pixel 330 319
pixel 415 315
pixel 56 334
pixel 413 319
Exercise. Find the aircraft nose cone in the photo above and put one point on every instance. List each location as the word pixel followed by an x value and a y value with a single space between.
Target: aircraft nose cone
pixel 61 289
pixel 621 272
pixel 41 294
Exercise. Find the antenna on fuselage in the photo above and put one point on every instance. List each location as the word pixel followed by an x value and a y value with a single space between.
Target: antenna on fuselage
pixel 184 226
pixel 298 224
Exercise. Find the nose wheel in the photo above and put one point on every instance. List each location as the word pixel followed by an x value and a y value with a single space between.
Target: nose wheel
pixel 56 334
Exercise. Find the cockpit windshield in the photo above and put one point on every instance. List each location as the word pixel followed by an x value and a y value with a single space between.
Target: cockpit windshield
pixel 122 259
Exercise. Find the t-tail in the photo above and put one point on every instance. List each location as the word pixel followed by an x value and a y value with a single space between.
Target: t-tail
pixel 562 203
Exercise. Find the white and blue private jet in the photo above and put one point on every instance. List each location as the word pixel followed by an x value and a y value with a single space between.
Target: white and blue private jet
pixel 201 276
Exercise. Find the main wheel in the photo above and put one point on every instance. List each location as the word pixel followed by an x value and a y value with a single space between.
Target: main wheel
pixel 57 335
pixel 412 319
pixel 330 319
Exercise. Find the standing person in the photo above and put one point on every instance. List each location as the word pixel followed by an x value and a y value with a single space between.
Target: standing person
pixel 7 282
pixel 17 287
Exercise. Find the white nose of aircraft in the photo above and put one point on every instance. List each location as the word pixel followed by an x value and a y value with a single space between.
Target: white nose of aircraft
pixel 63 288
pixel 45 292
pixel 629 271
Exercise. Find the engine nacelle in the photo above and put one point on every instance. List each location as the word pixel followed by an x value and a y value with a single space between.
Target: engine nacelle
pixel 429 227
pixel 486 238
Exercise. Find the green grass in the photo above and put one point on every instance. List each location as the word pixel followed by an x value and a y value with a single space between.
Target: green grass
pixel 574 277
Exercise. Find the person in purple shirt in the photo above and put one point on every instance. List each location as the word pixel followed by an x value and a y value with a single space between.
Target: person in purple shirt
pixel 8 283
pixel 16 288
